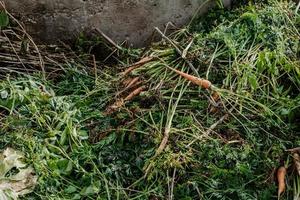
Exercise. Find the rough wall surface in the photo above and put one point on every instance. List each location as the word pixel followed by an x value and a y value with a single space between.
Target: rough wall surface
pixel 131 20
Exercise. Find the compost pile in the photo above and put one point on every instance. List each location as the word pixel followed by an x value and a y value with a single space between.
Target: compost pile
pixel 210 112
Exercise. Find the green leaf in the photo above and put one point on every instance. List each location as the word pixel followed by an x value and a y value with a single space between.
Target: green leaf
pixel 83 135
pixel 253 81
pixel 65 166
pixel 4 20
pixel 76 196
pixel 71 189
pixel 63 137
pixel 90 190
pixel 250 16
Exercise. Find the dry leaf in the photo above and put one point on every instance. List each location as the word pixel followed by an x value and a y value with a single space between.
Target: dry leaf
pixel 11 187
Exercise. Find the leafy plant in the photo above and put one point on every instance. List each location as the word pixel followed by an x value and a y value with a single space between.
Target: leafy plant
pixel 4 20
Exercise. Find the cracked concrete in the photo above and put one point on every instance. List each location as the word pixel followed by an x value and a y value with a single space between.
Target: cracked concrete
pixel 131 20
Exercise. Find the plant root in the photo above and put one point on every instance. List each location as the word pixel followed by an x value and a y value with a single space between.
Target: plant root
pixel 206 84
pixel 120 102
pixel 137 65
pixel 296 159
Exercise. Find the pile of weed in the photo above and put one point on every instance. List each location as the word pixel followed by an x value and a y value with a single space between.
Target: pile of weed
pixel 79 151
pixel 253 60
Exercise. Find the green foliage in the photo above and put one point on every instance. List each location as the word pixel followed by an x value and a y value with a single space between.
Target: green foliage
pixel 250 54
pixel 4 20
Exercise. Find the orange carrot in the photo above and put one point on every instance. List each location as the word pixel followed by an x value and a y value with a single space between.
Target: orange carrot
pixel 137 64
pixel 281 173
pixel 135 93
pixel 296 158
pixel 132 82
pixel 206 84
pixel 126 81
pixel 120 102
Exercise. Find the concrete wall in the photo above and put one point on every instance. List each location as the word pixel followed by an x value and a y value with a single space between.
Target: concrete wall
pixel 133 20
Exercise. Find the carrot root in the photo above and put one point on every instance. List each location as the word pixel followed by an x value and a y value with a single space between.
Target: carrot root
pixel 137 64
pixel 120 102
pixel 132 82
pixel 296 158
pixel 127 81
pixel 206 84
pixel 281 173
pixel 135 93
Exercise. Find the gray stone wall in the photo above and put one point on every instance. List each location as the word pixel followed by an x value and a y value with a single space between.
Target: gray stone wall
pixel 131 20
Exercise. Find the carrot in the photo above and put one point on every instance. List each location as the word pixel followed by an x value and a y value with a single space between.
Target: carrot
pixel 126 81
pixel 135 93
pixel 296 158
pixel 111 109
pixel 137 64
pixel 206 84
pixel 132 82
pixel 281 173
pixel 120 102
